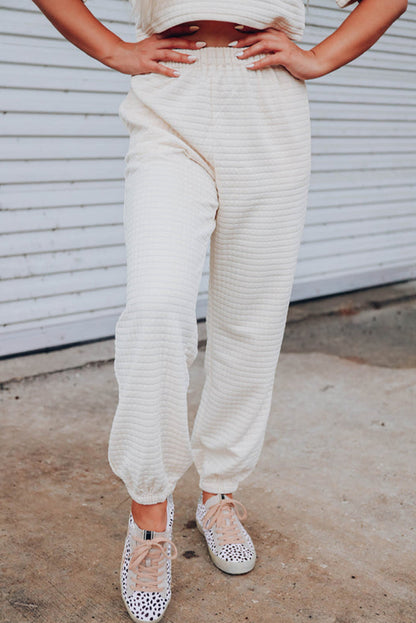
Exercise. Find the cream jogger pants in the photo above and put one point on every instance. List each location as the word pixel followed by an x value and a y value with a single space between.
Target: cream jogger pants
pixel 219 156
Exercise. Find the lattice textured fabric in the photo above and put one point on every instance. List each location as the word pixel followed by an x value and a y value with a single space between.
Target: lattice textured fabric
pixel 229 544
pixel 219 156
pixel 145 575
pixel 285 15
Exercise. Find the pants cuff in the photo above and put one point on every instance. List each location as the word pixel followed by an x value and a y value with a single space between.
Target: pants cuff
pixel 153 497
pixel 212 485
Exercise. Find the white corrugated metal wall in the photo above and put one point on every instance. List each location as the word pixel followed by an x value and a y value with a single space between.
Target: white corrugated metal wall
pixel 361 220
pixel 62 257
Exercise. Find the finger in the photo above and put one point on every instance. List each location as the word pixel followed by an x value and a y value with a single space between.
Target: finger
pixel 162 69
pixel 176 42
pixel 249 40
pixel 242 28
pixel 272 60
pixel 170 55
pixel 258 48
pixel 179 31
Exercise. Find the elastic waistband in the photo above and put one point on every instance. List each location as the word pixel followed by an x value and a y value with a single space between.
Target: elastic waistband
pixel 214 56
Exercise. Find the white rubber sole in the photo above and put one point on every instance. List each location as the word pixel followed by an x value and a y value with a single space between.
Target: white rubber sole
pixel 234 568
pixel 131 615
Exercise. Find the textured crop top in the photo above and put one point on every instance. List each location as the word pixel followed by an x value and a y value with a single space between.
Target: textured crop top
pixel 285 15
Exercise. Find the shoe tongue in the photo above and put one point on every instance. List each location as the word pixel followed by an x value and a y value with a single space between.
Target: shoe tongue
pixel 144 534
pixel 214 499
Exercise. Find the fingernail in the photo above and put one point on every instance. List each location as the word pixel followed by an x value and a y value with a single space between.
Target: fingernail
pixel 193 28
pixel 251 65
pixel 239 27
pixel 233 43
pixel 176 73
pixel 200 44
pixel 191 58
pixel 240 53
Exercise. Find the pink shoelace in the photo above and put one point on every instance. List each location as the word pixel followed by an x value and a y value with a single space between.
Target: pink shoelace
pixel 145 563
pixel 223 516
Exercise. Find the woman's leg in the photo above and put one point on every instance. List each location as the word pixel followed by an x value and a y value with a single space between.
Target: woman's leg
pixel 169 215
pixel 262 173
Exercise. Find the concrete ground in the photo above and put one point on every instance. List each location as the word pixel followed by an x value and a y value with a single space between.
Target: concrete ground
pixel 331 503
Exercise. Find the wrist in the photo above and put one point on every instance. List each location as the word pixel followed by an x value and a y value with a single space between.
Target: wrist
pixel 112 54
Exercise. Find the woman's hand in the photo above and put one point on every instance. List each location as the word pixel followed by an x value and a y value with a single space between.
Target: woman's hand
pixel 280 50
pixel 357 33
pixel 144 56
pixel 77 24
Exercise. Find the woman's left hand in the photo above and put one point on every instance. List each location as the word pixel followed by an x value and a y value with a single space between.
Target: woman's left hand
pixel 280 50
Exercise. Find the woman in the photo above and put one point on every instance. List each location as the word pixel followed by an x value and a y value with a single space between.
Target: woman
pixel 219 153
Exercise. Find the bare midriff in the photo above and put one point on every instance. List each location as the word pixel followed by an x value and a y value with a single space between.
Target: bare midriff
pixel 214 33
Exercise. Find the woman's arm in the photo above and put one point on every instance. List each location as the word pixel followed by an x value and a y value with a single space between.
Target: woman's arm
pixel 357 33
pixel 77 24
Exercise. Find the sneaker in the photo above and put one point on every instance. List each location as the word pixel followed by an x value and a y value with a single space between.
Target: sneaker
pixel 229 544
pixel 145 573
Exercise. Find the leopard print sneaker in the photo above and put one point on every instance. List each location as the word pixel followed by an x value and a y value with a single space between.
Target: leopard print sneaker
pixel 145 573
pixel 229 544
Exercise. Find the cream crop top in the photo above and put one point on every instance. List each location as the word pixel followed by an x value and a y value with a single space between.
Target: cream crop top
pixel 286 15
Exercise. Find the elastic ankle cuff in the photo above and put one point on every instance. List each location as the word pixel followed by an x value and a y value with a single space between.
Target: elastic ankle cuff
pixel 149 498
pixel 218 486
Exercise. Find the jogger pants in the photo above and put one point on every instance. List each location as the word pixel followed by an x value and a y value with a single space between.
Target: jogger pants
pixel 219 156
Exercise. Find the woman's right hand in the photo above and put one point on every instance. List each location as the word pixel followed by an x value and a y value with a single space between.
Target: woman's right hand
pixel 143 56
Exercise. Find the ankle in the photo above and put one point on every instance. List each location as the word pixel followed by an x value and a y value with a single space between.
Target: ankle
pixel 150 516
pixel 206 495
